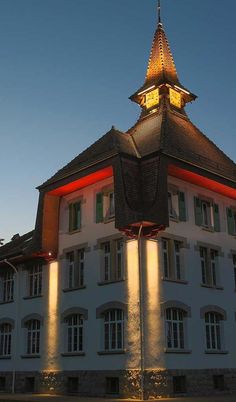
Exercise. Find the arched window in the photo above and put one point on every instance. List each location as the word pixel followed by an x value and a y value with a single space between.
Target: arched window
pixel 5 339
pixel 33 337
pixel 213 331
pixel 74 333
pixel 114 329
pixel 174 318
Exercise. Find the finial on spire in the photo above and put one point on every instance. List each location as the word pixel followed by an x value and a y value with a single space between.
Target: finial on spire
pixel 159 11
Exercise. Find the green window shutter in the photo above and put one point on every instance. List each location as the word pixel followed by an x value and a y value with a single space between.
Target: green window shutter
pixel 70 217
pixel 182 207
pixel 198 211
pixel 230 221
pixel 99 207
pixel 216 217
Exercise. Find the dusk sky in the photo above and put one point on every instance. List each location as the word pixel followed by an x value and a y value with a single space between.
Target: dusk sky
pixel 68 67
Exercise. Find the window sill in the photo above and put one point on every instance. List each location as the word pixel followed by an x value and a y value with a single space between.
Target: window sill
pixel 5 357
pixel 73 354
pixel 208 229
pixel 112 352
pixel 6 302
pixel 110 282
pixel 180 281
pixel 178 351
pixel 108 220
pixel 74 231
pixel 216 352
pixel 173 219
pixel 203 285
pixel 73 289
pixel 32 297
pixel 30 356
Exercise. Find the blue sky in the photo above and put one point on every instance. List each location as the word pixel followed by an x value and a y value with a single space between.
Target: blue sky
pixel 67 68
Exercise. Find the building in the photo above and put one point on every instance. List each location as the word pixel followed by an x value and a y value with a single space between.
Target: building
pixel 125 286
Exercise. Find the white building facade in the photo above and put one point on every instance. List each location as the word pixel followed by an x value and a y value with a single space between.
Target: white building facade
pixel 111 298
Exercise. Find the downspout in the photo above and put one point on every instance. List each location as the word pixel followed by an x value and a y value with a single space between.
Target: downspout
pixel 142 363
pixel 16 322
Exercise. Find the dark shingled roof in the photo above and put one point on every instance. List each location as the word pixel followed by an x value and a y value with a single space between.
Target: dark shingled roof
pixel 112 143
pixel 174 134
pixel 16 247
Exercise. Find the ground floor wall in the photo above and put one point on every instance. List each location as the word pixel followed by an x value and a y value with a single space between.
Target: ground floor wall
pixel 123 383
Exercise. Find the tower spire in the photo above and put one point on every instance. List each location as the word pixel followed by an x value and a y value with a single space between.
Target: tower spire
pixel 159 11
pixel 161 81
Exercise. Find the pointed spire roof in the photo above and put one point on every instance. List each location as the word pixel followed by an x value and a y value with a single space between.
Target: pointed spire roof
pixel 161 71
pixel 161 66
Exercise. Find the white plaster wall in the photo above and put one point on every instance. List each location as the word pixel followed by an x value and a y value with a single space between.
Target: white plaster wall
pixel 155 291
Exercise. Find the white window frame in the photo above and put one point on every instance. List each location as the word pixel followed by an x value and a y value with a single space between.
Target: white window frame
pixel 81 266
pixel 113 327
pixel 112 258
pixel 74 326
pixel 5 339
pixel 166 258
pixel 70 267
pixel 172 259
pixel 206 208
pixel 234 267
pixel 7 286
pixel 33 328
pixel 35 280
pixel 75 268
pixel 213 331
pixel 173 204
pixel 175 328
pixel 209 266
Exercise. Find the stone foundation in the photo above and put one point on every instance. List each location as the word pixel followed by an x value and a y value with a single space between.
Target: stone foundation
pixel 124 383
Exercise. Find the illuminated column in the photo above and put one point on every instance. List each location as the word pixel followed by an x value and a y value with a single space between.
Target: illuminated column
pixel 154 325
pixel 51 360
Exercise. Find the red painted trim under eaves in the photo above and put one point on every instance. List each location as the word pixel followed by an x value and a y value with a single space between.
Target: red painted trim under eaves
pixel 83 182
pixel 202 181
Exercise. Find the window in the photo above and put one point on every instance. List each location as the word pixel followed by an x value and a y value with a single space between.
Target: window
pixel 105 206
pixel 209 266
pixel 176 203
pixel 35 275
pixel 172 259
pixel 7 286
pixel 33 337
pixel 5 339
pixel 72 385
pixel 74 341
pixel 114 330
pixel 75 216
pixel 112 385
pixel 175 328
pixel 2 384
pixel 234 265
pixel 75 261
pixel 112 260
pixel 231 220
pixel 179 384
pixel 207 214
pixel 219 382
pixel 213 331
pixel 29 384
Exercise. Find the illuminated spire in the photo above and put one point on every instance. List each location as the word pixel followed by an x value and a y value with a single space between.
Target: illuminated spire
pixel 161 71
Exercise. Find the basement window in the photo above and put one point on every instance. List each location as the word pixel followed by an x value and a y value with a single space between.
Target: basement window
pixel 112 385
pixel 219 382
pixel 2 384
pixel 179 384
pixel 72 385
